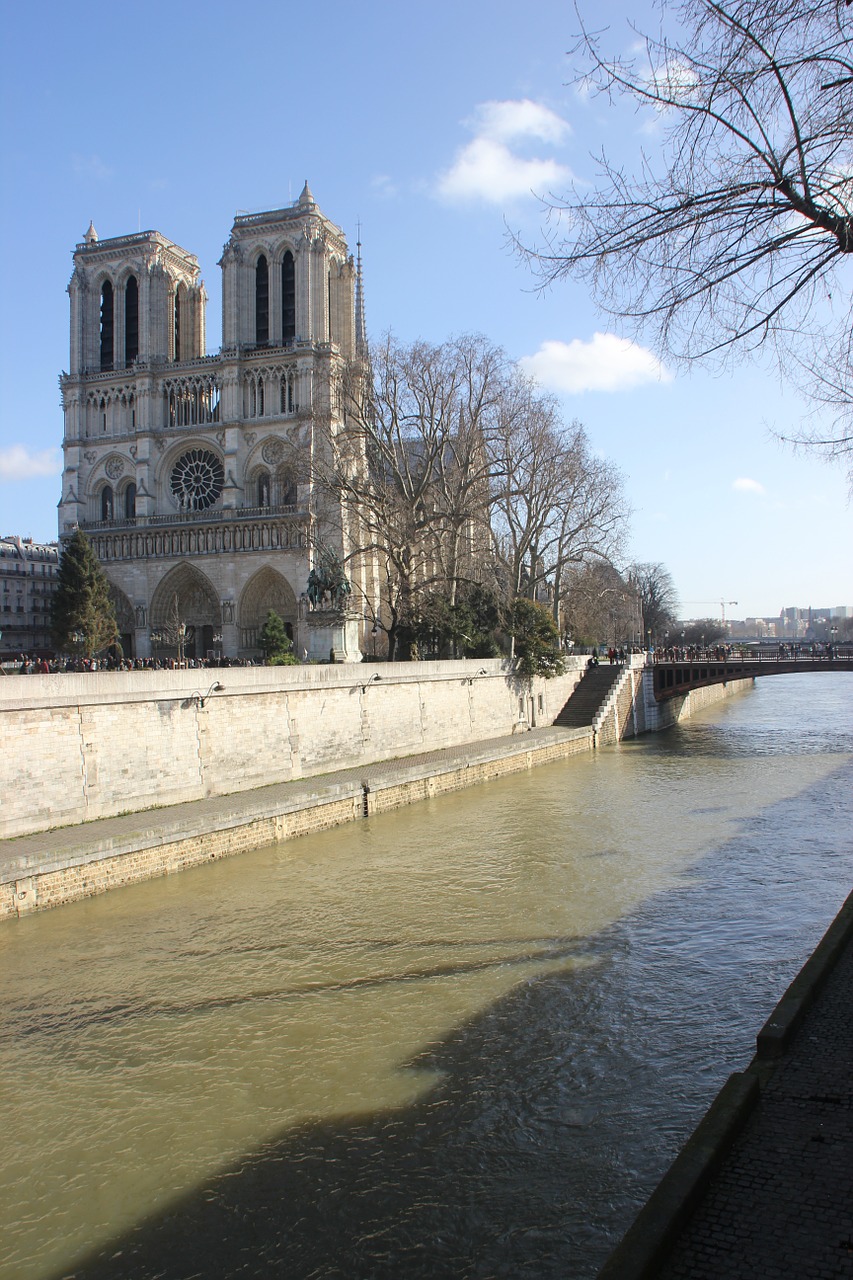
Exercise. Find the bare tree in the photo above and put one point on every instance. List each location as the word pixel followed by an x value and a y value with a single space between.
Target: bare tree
pixel 452 471
pixel 740 233
pixel 554 504
pixel 602 606
pixel 410 473
pixel 653 582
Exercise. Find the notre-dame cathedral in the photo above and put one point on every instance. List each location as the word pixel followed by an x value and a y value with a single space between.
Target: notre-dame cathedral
pixel 194 475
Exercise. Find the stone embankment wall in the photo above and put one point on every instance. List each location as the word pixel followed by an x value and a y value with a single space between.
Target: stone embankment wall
pixel 631 709
pixel 80 747
pixel 50 875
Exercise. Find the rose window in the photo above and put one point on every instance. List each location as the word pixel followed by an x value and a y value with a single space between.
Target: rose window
pixel 197 479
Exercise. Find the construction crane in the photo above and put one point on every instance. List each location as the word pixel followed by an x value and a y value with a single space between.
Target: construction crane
pixel 721 603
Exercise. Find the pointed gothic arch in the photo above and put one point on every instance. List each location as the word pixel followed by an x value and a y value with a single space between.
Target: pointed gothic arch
pixel 125 619
pixel 197 607
pixel 131 320
pixel 288 297
pixel 106 324
pixel 266 590
pixel 262 301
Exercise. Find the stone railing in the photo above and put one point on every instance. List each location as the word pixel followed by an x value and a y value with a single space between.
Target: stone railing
pixel 156 537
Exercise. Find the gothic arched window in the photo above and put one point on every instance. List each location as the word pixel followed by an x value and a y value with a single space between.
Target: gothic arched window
pixel 106 503
pixel 177 324
pixel 288 298
pixel 106 325
pixel 262 302
pixel 130 502
pixel 131 320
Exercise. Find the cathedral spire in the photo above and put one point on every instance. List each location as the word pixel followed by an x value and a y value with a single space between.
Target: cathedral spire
pixel 360 327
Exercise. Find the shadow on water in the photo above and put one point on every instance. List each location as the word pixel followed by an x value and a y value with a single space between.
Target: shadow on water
pixel 556 1110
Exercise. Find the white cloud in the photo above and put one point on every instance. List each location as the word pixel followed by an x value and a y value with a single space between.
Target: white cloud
pixel 487 169
pixel 744 485
pixel 675 80
pixel 508 121
pixel 605 363
pixel 18 463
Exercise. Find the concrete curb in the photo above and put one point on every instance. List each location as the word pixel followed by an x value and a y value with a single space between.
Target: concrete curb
pixel 784 1022
pixel 639 1255
pixel 655 1230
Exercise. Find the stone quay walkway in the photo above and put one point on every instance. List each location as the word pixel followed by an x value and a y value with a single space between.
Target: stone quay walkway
pixel 27 855
pixel 764 1188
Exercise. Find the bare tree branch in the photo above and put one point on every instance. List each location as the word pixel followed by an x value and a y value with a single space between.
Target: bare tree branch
pixel 740 232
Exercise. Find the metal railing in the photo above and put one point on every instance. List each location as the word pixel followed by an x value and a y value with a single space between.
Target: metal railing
pixel 806 654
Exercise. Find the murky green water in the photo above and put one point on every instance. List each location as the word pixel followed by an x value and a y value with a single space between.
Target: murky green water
pixel 459 1040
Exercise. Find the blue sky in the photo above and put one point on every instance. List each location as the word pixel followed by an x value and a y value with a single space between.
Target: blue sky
pixel 430 125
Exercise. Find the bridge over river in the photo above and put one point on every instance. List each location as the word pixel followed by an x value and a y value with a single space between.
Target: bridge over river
pixel 674 675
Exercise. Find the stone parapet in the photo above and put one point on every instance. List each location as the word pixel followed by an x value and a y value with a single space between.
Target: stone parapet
pixel 83 747
pixel 54 868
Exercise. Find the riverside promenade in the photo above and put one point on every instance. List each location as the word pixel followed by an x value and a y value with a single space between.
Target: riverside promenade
pixel 763 1190
pixel 49 868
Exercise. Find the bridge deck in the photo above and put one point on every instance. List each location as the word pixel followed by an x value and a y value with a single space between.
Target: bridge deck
pixel 675 676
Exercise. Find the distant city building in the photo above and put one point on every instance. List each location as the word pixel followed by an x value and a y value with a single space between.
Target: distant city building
pixel 193 475
pixel 28 572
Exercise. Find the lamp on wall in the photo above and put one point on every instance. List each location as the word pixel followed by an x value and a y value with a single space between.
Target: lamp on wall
pixel 202 698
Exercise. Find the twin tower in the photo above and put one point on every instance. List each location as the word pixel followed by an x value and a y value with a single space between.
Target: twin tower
pixel 193 474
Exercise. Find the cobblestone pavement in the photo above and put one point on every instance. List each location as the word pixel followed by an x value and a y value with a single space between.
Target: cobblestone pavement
pixel 781 1205
pixel 170 822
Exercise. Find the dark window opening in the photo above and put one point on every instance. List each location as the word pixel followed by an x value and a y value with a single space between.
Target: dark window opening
pixel 288 298
pixel 107 326
pixel 131 321
pixel 177 325
pixel 262 302
pixel 130 502
pixel 106 503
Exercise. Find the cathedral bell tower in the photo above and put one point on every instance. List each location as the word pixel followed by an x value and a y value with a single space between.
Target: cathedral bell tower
pixel 195 475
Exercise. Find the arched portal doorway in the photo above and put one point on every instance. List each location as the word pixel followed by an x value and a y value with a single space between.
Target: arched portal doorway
pixel 124 619
pixel 185 614
pixel 266 590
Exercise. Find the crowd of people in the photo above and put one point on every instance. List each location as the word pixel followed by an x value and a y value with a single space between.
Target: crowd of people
pixel 26 665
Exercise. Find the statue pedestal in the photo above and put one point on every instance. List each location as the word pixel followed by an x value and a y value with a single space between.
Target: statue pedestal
pixel 329 635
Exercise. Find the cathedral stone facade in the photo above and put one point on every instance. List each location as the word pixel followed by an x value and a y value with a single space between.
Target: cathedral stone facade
pixel 193 475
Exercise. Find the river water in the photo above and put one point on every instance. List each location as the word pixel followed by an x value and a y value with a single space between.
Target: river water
pixel 459 1040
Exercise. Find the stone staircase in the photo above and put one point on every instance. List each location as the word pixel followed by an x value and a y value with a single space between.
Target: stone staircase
pixel 587 699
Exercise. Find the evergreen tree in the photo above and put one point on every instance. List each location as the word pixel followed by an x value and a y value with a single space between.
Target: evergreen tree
pixel 82 616
pixel 274 640
pixel 536 639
